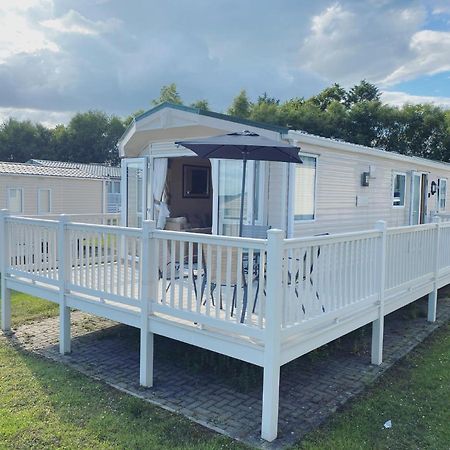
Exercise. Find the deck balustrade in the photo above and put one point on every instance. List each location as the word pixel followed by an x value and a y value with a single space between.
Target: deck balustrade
pixel 265 301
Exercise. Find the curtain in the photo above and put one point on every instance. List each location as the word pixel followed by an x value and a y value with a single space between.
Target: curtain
pixel 159 181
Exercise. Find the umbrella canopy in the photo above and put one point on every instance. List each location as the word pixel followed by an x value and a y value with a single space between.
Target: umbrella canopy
pixel 244 146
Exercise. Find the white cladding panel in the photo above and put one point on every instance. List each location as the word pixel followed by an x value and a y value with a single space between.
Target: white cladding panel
pixel 67 195
pixel 339 188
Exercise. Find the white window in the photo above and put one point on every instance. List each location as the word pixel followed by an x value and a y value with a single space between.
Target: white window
pixel 398 189
pixel 15 200
pixel 305 188
pixel 442 194
pixel 113 187
pixel 44 201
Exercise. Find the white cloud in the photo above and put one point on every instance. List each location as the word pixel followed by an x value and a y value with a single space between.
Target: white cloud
pixel 430 54
pixel 74 56
pixel 74 22
pixel 441 7
pixel 398 98
pixel 349 41
pixel 46 118
pixel 18 35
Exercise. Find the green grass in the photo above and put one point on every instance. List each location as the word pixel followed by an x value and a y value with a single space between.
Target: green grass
pixel 25 308
pixel 415 395
pixel 45 405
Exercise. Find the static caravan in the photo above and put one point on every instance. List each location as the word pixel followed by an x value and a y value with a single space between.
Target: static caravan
pixel 45 188
pixel 264 301
pixel 339 187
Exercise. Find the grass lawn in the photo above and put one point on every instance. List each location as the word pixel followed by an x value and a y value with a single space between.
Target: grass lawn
pixel 44 405
pixel 26 308
pixel 415 395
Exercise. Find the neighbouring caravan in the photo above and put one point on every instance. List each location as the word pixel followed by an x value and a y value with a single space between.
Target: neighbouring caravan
pixel 339 187
pixel 45 188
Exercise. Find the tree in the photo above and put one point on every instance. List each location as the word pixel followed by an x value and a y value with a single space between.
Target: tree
pixel 168 93
pixel 289 112
pixel 241 105
pixel 424 132
pixel 132 116
pixel 364 91
pixel 92 137
pixel 364 123
pixel 21 141
pixel 335 93
pixel 265 109
pixel 201 104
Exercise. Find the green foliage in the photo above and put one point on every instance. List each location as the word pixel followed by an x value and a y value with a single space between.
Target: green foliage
pixel 91 137
pixel 20 141
pixel 363 92
pixel 356 115
pixel 169 94
pixel 132 116
pixel 334 93
pixel 201 104
pixel 241 106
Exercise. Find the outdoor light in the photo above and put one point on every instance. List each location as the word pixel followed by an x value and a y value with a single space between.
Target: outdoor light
pixel 433 189
pixel 365 178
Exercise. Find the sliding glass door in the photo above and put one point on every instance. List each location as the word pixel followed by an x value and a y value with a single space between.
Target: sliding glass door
pixel 229 195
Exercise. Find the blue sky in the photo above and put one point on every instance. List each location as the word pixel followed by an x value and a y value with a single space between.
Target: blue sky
pixel 58 57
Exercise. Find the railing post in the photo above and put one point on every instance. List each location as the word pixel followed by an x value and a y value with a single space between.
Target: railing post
pixel 64 272
pixel 147 295
pixel 432 296
pixel 272 335
pixel 6 293
pixel 378 324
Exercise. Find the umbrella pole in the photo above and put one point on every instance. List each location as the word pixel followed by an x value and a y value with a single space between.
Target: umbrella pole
pixel 244 172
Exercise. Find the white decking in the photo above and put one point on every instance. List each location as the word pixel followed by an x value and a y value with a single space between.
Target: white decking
pixel 273 300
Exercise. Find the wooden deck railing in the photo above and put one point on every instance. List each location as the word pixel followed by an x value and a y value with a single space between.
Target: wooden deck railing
pixel 266 301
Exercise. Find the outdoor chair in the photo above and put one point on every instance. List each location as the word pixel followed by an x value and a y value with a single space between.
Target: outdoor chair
pixel 210 276
pixel 297 278
pixel 170 262
pixel 308 272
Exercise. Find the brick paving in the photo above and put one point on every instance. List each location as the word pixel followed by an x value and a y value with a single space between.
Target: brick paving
pixel 312 387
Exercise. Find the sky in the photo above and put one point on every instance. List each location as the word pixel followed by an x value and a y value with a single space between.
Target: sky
pixel 59 57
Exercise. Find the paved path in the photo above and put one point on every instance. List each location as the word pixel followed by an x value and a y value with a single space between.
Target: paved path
pixel 229 400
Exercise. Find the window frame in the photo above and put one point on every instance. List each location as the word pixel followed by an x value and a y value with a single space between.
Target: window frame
pixel 439 194
pixel 41 213
pixel 394 175
pixel 21 200
pixel 292 189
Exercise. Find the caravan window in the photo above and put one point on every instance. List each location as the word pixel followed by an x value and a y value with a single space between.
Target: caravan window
pixel 15 200
pixel 44 201
pixel 305 188
pixel 442 194
pixel 398 189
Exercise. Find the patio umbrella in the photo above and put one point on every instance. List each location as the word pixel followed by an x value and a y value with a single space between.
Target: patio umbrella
pixel 243 146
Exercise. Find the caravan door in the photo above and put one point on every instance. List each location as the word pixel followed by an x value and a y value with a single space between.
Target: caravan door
pixel 419 190
pixel 134 192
